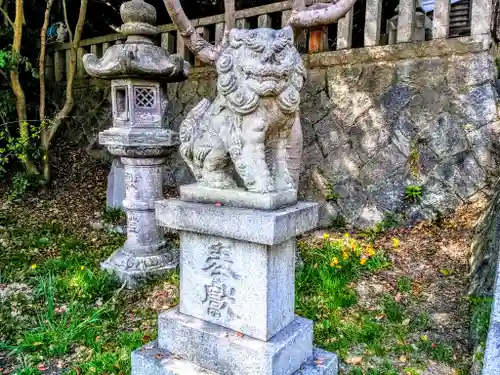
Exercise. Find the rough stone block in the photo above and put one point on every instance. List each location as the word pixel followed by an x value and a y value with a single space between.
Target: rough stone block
pixel 227 352
pixel 116 185
pixel 240 285
pixel 264 227
pixel 150 360
pixel 237 197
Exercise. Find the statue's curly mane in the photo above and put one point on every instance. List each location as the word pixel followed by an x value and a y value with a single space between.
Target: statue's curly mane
pixel 260 63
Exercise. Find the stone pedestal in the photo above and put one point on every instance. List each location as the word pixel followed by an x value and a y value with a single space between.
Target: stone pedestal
pixel 236 313
pixel 145 254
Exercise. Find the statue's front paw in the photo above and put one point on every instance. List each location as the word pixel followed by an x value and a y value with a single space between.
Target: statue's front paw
pixel 262 188
pixel 285 183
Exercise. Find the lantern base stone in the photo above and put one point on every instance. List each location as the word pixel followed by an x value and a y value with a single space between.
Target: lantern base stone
pixel 135 270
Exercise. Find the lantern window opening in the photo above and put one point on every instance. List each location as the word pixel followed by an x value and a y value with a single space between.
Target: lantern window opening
pixel 121 103
pixel 145 98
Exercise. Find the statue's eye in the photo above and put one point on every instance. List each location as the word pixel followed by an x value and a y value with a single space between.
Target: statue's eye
pixel 285 35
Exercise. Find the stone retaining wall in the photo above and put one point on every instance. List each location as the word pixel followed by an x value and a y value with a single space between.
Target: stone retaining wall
pixel 378 120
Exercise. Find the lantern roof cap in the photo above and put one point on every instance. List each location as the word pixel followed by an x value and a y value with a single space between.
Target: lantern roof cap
pixel 138 57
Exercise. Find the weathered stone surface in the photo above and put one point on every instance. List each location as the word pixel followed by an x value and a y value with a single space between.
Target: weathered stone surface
pixel 237 197
pixel 259 280
pixel 430 122
pixel 433 101
pixel 225 351
pixel 150 360
pixel 263 227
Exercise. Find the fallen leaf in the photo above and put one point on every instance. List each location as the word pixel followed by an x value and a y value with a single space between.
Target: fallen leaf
pixel 37 343
pixel 158 355
pixel 403 359
pixel 406 322
pixel 42 367
pixel 445 272
pixel 354 360
pixel 398 297
pixel 239 334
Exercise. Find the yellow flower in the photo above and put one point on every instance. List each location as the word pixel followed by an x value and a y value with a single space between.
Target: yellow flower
pixel 326 236
pixel 33 266
pixel 345 256
pixel 370 251
pixel 346 235
pixel 362 261
pixel 395 243
pixel 82 267
pixel 334 262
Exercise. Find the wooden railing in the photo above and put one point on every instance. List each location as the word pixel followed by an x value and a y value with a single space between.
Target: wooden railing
pixel 407 27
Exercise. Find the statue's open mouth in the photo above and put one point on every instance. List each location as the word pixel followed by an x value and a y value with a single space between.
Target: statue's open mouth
pixel 267 73
pixel 266 76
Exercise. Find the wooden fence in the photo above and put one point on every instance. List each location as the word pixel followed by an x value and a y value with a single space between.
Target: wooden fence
pixel 408 26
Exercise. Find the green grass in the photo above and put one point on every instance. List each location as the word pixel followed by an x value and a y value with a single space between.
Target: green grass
pixel 74 310
pixel 325 286
pixel 79 314
pixel 324 293
pixel 405 285
pixel 113 215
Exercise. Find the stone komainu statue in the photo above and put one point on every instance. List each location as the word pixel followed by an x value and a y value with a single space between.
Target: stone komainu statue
pixel 253 125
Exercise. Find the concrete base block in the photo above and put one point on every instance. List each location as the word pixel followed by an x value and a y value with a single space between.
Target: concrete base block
pixel 237 197
pixel 225 351
pixel 135 270
pixel 150 360
pixel 243 286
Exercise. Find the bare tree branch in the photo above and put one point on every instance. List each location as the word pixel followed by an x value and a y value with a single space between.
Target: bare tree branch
pixel 6 15
pixel 18 91
pixel 303 17
pixel 204 50
pixel 69 103
pixel 70 33
pixel 43 48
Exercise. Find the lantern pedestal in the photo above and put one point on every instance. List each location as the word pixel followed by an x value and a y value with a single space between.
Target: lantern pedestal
pixel 138 70
pixel 145 254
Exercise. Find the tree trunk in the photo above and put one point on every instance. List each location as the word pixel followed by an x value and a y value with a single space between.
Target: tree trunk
pixel 44 130
pixel 56 122
pixel 22 115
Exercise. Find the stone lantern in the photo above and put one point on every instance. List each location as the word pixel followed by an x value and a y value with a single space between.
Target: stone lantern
pixel 138 70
